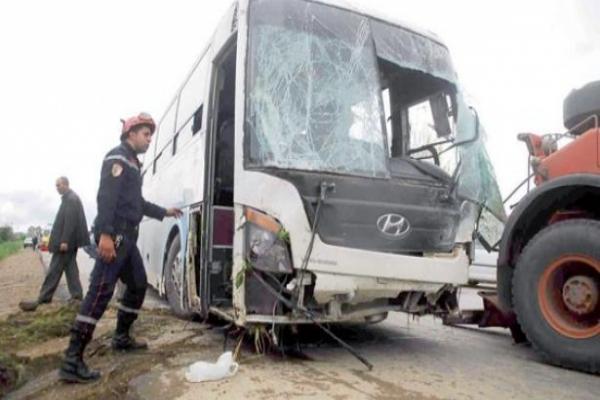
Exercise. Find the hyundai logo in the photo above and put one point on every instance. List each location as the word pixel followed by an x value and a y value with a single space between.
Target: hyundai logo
pixel 393 225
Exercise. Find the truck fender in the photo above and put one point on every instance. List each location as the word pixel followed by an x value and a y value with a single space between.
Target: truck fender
pixel 531 215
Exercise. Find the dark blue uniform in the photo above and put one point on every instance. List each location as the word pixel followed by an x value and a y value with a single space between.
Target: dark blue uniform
pixel 120 210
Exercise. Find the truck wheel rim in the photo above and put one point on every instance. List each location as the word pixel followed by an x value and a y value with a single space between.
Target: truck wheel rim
pixel 568 292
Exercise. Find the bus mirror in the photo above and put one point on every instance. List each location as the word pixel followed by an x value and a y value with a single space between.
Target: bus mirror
pixel 476 129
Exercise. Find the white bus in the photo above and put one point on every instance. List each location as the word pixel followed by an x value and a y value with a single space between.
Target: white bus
pixel 327 166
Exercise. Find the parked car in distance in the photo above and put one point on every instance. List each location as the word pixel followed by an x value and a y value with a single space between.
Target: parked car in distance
pixel 28 242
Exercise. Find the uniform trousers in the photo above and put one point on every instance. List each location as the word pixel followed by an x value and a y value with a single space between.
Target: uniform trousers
pixel 127 267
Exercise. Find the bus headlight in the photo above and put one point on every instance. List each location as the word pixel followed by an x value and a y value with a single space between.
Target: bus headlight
pixel 266 249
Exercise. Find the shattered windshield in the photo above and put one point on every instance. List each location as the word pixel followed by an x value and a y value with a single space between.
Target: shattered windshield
pixel 429 120
pixel 334 91
pixel 313 100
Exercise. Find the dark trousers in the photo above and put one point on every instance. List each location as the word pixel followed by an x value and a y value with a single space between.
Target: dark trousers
pixel 129 268
pixel 60 262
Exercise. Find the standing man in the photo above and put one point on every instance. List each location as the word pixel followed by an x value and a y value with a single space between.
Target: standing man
pixel 69 232
pixel 120 210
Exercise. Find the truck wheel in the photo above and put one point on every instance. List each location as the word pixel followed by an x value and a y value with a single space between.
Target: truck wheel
pixel 173 285
pixel 556 288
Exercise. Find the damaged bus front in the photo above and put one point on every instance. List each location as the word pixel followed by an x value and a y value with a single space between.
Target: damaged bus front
pixel 355 179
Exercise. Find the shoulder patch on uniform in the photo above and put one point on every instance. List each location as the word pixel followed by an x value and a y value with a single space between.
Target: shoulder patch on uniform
pixel 116 170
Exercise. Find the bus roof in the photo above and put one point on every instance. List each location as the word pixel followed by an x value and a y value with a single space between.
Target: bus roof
pixel 348 5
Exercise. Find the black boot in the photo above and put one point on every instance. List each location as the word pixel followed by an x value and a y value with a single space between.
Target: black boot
pixel 29 306
pixel 122 340
pixel 73 369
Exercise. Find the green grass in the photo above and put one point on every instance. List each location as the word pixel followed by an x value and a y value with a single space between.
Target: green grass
pixel 23 330
pixel 8 248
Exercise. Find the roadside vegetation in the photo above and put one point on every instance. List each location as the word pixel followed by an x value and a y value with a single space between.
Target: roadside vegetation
pixel 8 248
pixel 10 242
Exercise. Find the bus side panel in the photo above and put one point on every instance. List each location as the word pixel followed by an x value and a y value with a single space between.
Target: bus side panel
pixel 147 231
pixel 175 177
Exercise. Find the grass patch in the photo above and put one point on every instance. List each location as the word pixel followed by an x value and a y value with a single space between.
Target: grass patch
pixel 24 329
pixel 8 248
pixel 11 373
pixel 15 371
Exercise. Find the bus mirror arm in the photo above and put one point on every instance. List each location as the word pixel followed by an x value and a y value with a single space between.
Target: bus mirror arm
pixel 475 137
pixel 326 187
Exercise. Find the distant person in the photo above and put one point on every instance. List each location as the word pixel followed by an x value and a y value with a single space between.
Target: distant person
pixel 34 242
pixel 120 210
pixel 69 232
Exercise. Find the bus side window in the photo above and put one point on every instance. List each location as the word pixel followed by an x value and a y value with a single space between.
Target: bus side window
pixel 197 125
pixel 192 97
pixel 186 133
pixel 175 143
pixel 155 165
pixel 166 127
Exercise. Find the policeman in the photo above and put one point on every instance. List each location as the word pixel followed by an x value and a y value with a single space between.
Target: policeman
pixel 120 210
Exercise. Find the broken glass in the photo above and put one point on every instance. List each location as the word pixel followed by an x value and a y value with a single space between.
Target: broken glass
pixel 313 100
pixel 412 50
pixel 477 179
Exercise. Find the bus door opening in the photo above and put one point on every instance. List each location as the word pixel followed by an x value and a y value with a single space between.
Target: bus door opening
pixel 222 222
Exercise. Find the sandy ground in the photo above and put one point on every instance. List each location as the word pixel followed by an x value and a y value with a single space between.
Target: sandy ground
pixel 413 359
pixel 21 277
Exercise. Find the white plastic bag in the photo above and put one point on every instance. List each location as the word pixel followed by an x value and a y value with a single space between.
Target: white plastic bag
pixel 202 371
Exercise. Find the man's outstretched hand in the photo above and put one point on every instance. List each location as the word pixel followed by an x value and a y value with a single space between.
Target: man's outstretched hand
pixel 174 212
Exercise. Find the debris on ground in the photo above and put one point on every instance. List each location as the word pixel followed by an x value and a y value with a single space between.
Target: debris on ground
pixel 202 371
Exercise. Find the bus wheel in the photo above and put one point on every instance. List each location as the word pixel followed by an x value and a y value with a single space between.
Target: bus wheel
pixel 173 280
pixel 556 287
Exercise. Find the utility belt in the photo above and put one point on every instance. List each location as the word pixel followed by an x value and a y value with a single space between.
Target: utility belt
pixel 123 229
pixel 126 228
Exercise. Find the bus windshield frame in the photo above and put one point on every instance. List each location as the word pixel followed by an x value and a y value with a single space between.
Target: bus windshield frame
pixel 313 88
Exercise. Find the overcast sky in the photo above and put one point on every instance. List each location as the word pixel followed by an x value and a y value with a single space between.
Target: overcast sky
pixel 69 70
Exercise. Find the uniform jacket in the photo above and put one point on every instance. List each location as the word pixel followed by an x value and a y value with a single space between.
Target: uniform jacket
pixel 70 225
pixel 120 202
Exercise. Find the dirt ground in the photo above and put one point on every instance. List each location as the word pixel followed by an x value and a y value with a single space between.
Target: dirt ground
pixel 31 344
pixel 413 359
pixel 21 276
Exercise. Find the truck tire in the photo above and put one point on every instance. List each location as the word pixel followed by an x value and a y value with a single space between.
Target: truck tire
pixel 173 288
pixel 555 294
pixel 581 104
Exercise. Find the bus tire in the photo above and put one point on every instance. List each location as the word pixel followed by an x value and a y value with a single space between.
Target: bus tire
pixel 555 294
pixel 174 289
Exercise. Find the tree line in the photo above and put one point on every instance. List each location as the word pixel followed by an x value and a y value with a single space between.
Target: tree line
pixel 8 235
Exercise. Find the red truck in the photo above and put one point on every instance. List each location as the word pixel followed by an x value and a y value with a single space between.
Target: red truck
pixel 548 272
